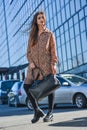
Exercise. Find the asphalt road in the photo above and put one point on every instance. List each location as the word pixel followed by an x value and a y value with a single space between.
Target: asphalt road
pixel 65 118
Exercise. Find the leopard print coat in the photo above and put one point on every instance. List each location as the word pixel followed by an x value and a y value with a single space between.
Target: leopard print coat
pixel 42 54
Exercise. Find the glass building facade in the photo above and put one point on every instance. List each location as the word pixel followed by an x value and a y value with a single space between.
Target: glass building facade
pixel 66 18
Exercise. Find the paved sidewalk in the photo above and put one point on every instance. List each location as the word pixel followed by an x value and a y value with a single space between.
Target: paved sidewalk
pixel 71 120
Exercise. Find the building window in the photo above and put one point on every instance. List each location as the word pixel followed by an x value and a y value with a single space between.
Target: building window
pixel 78 4
pixel 66 26
pixel 70 23
pixel 69 63
pixel 80 61
pixel 68 11
pixel 85 11
pixel 59 19
pixel 71 33
pixel 76 29
pixel 67 36
pixel 63 15
pixel 73 47
pixel 72 7
pixel 68 50
pixel 78 45
pixel 85 57
pixel 81 14
pixel 62 39
pixel 58 5
pixel 74 61
pixel 83 2
pixel 82 25
pixel 84 41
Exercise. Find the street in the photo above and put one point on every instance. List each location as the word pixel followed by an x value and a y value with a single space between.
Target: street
pixel 65 118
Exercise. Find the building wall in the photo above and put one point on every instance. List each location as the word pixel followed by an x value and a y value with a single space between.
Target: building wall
pixel 66 18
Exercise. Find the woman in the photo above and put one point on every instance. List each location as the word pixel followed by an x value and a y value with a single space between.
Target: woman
pixel 41 53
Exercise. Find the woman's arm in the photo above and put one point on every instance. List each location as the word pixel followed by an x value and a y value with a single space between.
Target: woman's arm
pixel 29 57
pixel 54 58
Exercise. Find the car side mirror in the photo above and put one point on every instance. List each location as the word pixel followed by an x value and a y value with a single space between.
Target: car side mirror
pixel 65 84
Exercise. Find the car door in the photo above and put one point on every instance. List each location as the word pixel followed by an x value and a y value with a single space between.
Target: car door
pixel 63 94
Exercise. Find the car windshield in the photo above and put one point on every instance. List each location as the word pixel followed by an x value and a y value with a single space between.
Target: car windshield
pixel 75 79
pixel 7 85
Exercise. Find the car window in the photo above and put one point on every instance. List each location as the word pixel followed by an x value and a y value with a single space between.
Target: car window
pixel 61 80
pixel 14 87
pixel 7 85
pixel 76 79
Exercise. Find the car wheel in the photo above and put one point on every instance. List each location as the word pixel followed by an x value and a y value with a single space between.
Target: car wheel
pixel 29 105
pixel 80 101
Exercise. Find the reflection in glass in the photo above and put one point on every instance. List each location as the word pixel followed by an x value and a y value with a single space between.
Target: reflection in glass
pixel 69 63
pixel 68 11
pixel 72 7
pixel 76 26
pixel 85 57
pixel 71 33
pixel 68 50
pixel 64 52
pixel 75 19
pixel 78 45
pixel 63 15
pixel 81 14
pixel 80 61
pixel 84 41
pixel 82 25
pixel 73 48
pixel 77 3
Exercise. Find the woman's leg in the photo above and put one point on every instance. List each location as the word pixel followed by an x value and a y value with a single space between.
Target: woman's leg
pixel 33 101
pixel 51 101
pixel 49 116
pixel 38 112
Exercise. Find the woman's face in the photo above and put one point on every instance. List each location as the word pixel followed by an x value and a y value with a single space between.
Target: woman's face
pixel 41 20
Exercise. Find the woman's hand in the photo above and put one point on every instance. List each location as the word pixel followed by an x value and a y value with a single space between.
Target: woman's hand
pixel 53 67
pixel 32 65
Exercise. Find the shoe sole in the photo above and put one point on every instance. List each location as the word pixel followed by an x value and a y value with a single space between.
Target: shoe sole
pixel 48 120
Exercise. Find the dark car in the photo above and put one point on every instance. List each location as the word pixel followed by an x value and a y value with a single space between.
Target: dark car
pixel 5 87
pixel 13 95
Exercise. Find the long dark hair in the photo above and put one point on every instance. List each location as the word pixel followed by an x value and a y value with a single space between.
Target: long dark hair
pixel 34 29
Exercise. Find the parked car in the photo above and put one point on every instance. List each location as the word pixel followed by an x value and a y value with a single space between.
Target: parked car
pixel 5 87
pixel 13 95
pixel 73 91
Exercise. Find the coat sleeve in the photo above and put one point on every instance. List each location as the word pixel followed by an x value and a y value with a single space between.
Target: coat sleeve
pixel 29 58
pixel 54 58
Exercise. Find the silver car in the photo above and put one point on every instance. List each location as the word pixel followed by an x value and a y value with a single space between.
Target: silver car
pixel 13 95
pixel 73 90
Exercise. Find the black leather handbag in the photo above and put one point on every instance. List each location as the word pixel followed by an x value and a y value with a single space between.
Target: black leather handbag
pixel 44 87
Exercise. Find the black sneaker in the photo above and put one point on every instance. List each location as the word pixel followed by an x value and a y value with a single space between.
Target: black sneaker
pixel 48 117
